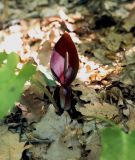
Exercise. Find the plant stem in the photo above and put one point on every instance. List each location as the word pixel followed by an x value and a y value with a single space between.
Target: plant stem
pixel 47 93
pixel 103 119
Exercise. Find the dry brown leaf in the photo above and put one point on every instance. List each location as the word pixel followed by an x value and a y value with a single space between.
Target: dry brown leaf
pixel 97 109
pixel 10 147
pixel 32 100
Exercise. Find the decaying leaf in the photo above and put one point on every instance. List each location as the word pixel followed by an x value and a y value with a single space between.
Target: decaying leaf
pixel 32 100
pixel 131 121
pixel 52 126
pixel 58 151
pixel 10 147
pixel 112 41
pixel 97 109
pixel 63 134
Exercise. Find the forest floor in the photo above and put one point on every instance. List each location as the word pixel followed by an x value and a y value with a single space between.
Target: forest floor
pixel 103 91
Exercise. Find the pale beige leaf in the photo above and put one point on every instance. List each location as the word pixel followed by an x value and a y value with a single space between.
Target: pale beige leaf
pixel 97 109
pixel 10 147
pixel 58 151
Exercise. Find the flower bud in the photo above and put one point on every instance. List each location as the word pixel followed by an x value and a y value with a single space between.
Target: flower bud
pixel 64 60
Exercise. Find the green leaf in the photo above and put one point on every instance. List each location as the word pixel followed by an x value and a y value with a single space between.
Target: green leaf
pixel 8 68
pixel 11 85
pixel 117 145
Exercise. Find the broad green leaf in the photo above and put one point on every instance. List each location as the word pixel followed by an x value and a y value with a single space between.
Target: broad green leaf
pixel 8 69
pixel 11 85
pixel 117 145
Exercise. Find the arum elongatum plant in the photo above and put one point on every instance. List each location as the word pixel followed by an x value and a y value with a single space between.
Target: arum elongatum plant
pixel 64 65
